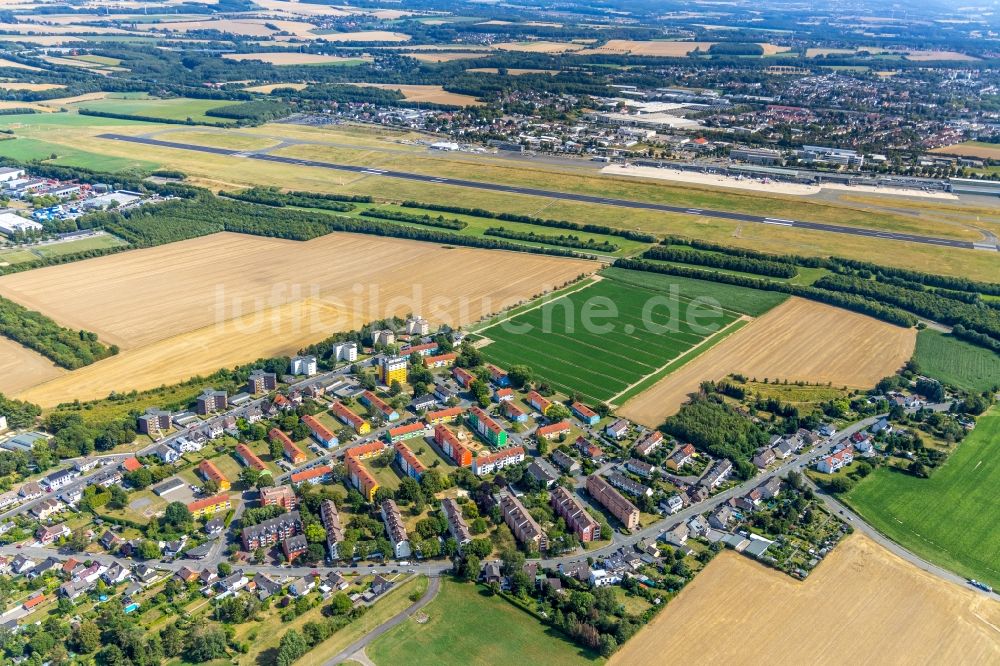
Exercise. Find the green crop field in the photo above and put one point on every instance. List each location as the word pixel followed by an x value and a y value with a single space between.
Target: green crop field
pixel 177 108
pixel 36 149
pixel 463 621
pixel 753 302
pixel 950 518
pixel 956 362
pixel 626 341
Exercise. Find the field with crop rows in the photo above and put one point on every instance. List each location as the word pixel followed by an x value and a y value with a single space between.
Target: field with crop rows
pixel 625 341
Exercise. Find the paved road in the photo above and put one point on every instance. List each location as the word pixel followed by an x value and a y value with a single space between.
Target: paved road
pixel 566 196
pixel 432 589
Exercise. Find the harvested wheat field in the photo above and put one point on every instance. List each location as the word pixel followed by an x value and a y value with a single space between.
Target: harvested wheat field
pixel 666 49
pixel 268 88
pixel 11 85
pixel 426 93
pixel 930 56
pixel 539 47
pixel 194 306
pixel 444 56
pixel 798 340
pixel 21 367
pixel 18 65
pixel 366 36
pixel 987 151
pixel 863 605
pixel 293 58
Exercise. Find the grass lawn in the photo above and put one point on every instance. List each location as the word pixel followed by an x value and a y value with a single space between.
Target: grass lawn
pixel 386 476
pixel 35 149
pixel 467 625
pixel 678 194
pixel 479 225
pixel 601 356
pixel 956 362
pixel 393 603
pixel 84 244
pixel 17 256
pixel 64 119
pixel 950 518
pixel 176 108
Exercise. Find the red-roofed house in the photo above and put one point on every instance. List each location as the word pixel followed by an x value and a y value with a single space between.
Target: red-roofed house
pixel 210 472
pixel 452 446
pixel 320 474
pixel 294 454
pixel 447 415
pixel 363 451
pixel 440 361
pixel 249 458
pixel 553 430
pixel 209 505
pixel 463 377
pixel 322 434
pixel 493 462
pixel 398 434
pixel 539 402
pixel 350 418
pixel 131 464
pixel 408 462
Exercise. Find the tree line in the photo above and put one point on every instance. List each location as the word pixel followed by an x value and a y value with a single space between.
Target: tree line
pixel 851 302
pixel 272 196
pixel 724 261
pixel 560 240
pixel 537 221
pixel 66 348
pixel 975 318
pixel 254 112
pixel 427 220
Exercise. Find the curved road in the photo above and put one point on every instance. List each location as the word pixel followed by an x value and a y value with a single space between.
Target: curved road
pixel 433 585
pixel 551 194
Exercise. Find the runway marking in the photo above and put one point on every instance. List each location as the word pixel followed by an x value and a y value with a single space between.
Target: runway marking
pixel 560 196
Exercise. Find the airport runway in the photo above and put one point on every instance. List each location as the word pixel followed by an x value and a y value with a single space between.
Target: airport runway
pixel 566 196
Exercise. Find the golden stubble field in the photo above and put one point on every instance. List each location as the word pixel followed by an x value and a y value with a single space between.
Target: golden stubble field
pixel 21 367
pixel 194 306
pixel 863 605
pixel 798 340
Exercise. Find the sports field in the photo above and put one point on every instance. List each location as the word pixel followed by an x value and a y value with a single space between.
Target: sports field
pixel 600 340
pixel 956 362
pixel 464 625
pixel 193 306
pixel 862 605
pixel 950 518
pixel 799 341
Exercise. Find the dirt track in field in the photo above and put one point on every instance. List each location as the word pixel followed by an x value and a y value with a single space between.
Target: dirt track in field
pixel 798 340
pixel 863 605
pixel 194 306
